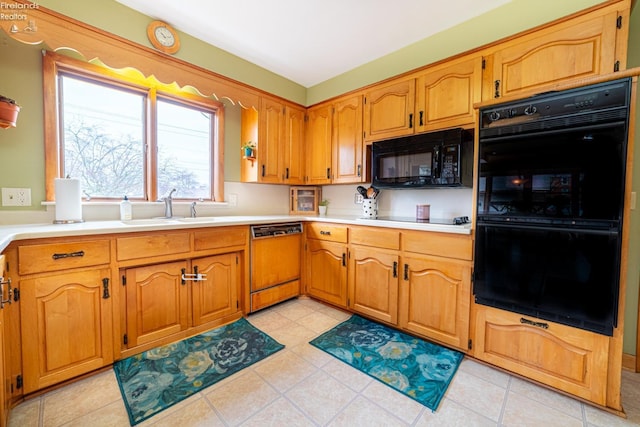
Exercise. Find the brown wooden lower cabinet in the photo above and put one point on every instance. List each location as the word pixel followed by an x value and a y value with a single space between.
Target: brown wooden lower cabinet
pixel 217 296
pixel 66 326
pixel 4 400
pixel 569 359
pixel 373 283
pixel 157 302
pixel 164 300
pixel 434 298
pixel 326 271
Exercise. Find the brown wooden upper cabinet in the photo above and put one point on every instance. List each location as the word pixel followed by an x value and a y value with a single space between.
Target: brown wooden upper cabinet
pixel 294 148
pixel 438 97
pixel 586 46
pixel 319 145
pixel 445 94
pixel 277 129
pixel 389 110
pixel 347 143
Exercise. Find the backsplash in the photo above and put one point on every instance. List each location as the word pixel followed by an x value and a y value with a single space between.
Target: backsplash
pixel 445 203
pixel 268 199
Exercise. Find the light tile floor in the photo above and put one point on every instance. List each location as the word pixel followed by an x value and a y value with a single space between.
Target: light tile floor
pixel 303 386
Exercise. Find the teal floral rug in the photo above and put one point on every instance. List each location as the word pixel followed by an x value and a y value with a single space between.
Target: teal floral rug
pixel 417 368
pixel 157 379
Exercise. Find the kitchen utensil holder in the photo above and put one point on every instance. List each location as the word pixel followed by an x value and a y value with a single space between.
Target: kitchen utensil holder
pixel 370 208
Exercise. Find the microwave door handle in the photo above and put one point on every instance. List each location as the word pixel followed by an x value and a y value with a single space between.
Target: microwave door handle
pixel 436 162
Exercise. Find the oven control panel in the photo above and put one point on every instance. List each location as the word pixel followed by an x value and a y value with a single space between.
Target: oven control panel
pixel 553 105
pixel 273 230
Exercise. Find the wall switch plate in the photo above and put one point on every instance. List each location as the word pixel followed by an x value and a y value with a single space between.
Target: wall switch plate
pixel 358 199
pixel 16 197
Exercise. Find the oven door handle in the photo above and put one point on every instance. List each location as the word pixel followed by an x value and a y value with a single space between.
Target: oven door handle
pixel 601 232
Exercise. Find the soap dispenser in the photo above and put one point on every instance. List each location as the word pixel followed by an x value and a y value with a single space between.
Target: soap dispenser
pixel 125 209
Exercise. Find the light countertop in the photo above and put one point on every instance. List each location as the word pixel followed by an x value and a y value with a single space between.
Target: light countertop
pixel 9 233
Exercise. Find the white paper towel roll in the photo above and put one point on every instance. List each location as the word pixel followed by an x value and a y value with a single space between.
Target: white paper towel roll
pixel 68 200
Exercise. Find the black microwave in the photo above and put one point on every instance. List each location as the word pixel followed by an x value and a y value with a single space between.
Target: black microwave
pixel 435 159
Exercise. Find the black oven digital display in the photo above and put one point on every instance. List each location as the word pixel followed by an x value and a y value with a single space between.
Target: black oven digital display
pixel 550 204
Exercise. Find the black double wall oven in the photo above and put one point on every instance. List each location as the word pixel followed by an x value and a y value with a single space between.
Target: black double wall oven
pixel 550 201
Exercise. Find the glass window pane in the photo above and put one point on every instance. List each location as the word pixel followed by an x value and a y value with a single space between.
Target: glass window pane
pixel 103 138
pixel 184 150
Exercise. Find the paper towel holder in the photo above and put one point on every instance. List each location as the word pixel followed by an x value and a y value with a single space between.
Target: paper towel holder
pixel 67 217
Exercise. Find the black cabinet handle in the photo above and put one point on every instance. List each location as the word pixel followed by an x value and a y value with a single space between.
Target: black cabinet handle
pixel 183 279
pixel 359 170
pixel 410 120
pixel 105 288
pixel 344 259
pixel 286 173
pixel 406 272
pixel 421 118
pixel 395 268
pixel 497 86
pixel 532 323
pixel 263 172
pixel 325 233
pixel 68 255
pixel 328 173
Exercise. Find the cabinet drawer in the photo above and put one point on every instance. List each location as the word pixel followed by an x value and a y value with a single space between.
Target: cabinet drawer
pixel 377 237
pixel 152 245
pixel 569 359
pixel 62 256
pixel 222 237
pixel 329 232
pixel 440 244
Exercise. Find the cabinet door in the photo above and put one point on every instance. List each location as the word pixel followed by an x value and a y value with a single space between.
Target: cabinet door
pixel 270 143
pixel 4 393
pixel 294 159
pixel 569 359
pixel 434 299
pixel 217 295
pixel 388 110
pixel 347 146
pixel 559 54
pixel 66 326
pixel 326 277
pixel 373 283
pixel 157 302
pixel 445 95
pixel 319 145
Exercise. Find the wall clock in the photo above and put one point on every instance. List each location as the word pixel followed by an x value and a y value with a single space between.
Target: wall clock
pixel 163 37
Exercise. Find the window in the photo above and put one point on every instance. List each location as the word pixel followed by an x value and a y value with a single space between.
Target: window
pixel 125 136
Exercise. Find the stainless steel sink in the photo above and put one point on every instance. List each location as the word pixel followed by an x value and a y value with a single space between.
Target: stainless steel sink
pixel 150 221
pixel 198 219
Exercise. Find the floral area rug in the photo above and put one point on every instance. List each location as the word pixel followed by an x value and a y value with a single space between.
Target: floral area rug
pixel 157 379
pixel 417 368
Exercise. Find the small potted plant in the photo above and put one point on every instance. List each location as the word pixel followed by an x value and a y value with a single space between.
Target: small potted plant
pixel 8 112
pixel 322 206
pixel 248 149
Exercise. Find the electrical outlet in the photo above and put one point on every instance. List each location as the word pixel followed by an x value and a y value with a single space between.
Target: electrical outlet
pixel 233 200
pixel 16 197
pixel 358 199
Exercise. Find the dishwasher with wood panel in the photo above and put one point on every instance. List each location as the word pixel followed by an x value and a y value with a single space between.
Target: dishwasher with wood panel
pixel 276 251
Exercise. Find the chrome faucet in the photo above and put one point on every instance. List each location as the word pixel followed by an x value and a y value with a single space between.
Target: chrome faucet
pixel 168 204
pixel 193 209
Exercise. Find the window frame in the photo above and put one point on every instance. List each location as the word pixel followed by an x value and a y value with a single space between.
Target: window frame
pixel 131 80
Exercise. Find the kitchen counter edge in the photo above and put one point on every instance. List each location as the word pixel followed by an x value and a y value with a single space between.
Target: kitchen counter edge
pixel 10 233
